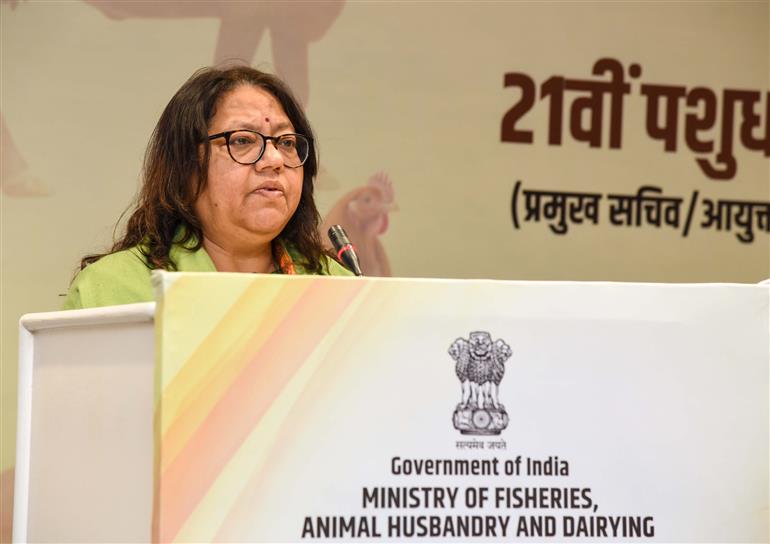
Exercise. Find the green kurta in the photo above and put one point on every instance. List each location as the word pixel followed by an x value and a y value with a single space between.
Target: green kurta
pixel 124 277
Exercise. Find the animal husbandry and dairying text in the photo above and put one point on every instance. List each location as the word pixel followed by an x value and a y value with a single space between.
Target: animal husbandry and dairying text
pixel 521 511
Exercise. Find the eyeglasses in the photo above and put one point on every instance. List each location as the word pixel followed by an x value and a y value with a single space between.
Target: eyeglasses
pixel 248 146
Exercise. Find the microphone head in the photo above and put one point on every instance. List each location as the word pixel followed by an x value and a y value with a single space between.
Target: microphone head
pixel 345 250
pixel 338 236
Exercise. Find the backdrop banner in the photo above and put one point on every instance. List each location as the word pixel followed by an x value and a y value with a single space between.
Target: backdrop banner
pixel 592 140
pixel 306 408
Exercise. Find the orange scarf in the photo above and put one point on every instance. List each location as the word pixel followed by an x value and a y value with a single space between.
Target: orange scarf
pixel 285 262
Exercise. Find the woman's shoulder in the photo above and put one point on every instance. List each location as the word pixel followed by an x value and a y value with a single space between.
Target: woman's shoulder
pixel 329 267
pixel 122 277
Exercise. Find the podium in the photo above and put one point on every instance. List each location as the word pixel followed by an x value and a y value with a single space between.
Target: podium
pixel 276 408
pixel 84 435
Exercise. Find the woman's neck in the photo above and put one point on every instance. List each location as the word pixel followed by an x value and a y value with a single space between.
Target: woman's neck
pixel 256 259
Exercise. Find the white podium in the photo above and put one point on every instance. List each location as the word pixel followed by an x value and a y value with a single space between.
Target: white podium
pixel 272 408
pixel 84 439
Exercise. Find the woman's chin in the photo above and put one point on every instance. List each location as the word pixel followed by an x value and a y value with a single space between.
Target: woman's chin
pixel 267 224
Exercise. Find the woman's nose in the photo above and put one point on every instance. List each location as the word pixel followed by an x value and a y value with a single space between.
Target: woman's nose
pixel 271 157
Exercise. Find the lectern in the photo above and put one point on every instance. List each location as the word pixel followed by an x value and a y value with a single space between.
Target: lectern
pixel 84 439
pixel 259 408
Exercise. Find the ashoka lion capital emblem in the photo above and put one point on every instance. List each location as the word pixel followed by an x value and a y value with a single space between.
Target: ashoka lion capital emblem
pixel 480 365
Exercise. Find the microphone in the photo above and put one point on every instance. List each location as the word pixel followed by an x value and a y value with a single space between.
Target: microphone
pixel 345 250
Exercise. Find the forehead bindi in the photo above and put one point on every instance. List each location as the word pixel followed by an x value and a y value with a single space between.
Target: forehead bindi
pixel 250 108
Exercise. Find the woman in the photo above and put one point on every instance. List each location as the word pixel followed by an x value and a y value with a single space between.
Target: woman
pixel 228 186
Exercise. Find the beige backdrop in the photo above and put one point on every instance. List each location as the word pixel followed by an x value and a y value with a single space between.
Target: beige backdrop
pixel 410 93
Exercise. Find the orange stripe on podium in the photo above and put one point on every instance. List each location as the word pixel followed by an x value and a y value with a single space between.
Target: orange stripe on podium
pixel 195 390
pixel 233 416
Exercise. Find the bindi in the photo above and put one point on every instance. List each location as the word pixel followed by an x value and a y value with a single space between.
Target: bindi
pixel 267 119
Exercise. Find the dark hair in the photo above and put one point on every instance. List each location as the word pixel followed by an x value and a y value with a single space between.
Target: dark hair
pixel 175 171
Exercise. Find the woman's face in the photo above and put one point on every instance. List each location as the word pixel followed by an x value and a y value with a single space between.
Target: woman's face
pixel 243 206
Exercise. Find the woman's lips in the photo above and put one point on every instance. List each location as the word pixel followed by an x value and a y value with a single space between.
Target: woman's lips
pixel 268 192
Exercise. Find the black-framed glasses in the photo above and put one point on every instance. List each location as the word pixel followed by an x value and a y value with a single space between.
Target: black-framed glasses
pixel 248 146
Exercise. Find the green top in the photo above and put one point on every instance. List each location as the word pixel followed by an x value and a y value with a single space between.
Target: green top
pixel 124 277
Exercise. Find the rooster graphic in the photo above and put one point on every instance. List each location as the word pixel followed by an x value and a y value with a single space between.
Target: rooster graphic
pixel 363 212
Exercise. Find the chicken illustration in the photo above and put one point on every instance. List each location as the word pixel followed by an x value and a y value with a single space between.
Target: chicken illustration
pixel 480 366
pixel 363 212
